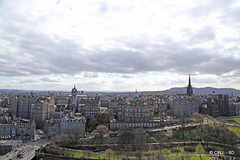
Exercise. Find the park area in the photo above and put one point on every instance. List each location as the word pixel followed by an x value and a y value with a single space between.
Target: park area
pixel 167 154
pixel 195 142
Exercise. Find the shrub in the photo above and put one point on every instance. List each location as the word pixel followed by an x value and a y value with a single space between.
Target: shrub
pixel 175 150
pixel 189 149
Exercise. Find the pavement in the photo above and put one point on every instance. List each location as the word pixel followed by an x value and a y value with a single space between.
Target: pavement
pixel 172 127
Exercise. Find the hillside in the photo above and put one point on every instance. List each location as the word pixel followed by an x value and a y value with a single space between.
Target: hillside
pixel 202 91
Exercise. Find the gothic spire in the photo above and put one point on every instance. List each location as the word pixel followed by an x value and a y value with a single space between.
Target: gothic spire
pixel 189 81
pixel 189 88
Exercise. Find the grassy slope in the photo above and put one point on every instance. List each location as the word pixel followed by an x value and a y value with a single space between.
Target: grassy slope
pixel 234 129
pixel 79 154
pixel 232 120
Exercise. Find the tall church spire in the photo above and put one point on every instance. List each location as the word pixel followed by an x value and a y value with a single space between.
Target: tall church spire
pixel 189 88
pixel 189 81
pixel 74 92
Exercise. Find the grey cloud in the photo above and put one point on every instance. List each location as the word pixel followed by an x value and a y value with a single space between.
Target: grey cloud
pixel 126 76
pixel 204 35
pixel 27 81
pixel 206 80
pixel 67 57
pixel 48 79
pixel 39 54
pixel 90 75
pixel 118 82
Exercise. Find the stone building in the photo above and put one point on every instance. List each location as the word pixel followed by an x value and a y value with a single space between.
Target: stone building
pixel 40 110
pixel 25 129
pixel 72 126
pixel 160 106
pixel 135 110
pixel 4 102
pixel 61 99
pixel 21 105
pixel 18 129
pixel 237 106
pixel 9 145
pixel 182 104
pixel 219 105
pixel 89 107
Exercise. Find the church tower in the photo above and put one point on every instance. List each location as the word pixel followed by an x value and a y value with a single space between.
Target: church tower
pixel 189 88
pixel 74 92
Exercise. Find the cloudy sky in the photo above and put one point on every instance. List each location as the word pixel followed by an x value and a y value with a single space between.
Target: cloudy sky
pixel 119 45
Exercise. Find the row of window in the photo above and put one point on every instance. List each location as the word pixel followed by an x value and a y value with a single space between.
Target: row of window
pixel 73 121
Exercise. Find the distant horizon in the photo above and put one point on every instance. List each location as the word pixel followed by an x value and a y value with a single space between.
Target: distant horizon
pixel 26 90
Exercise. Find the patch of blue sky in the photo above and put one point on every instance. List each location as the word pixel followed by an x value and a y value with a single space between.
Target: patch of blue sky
pixel 8 79
pixel 35 77
pixel 55 75
pixel 142 75
pixel 67 77
pixel 58 1
pixel 112 75
pixel 163 74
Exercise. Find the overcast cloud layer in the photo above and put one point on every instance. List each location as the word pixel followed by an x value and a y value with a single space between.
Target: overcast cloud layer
pixel 119 45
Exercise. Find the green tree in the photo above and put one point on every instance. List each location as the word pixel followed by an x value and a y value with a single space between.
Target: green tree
pixel 126 136
pixel 199 150
pixel 104 118
pixel 92 124
pixel 140 138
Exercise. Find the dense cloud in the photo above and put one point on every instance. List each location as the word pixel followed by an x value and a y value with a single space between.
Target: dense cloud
pixel 41 38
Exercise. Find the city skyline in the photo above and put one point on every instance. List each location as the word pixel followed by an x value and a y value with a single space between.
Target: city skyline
pixel 119 46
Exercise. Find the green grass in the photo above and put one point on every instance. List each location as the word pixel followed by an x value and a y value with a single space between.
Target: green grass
pixel 232 120
pixel 79 154
pixel 92 155
pixel 192 157
pixel 234 129
pixel 237 120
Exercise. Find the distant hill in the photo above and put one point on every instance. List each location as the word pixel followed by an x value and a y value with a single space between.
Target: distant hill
pixel 201 91
pixel 175 90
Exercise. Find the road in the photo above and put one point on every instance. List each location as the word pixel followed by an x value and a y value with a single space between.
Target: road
pixel 30 146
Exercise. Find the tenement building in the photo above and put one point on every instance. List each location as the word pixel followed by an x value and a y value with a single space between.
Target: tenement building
pixel 72 125
pixel 184 105
pixel 21 105
pixel 40 110
pixel 89 107
pixel 218 105
pixel 16 129
pixel 135 110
